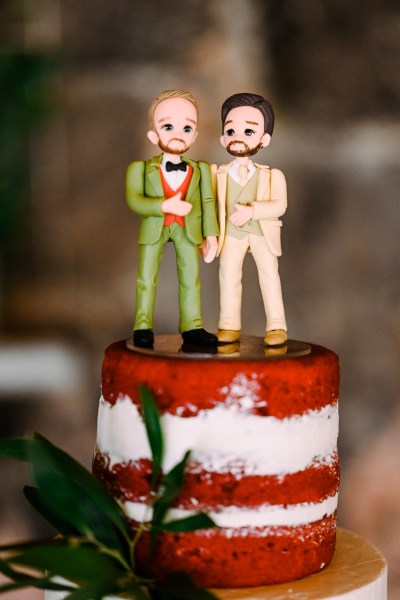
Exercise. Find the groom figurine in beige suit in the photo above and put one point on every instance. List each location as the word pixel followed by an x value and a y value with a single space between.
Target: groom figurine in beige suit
pixel 251 200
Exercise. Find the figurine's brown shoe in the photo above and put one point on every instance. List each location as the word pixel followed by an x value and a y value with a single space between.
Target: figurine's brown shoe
pixel 227 336
pixel 232 348
pixel 275 337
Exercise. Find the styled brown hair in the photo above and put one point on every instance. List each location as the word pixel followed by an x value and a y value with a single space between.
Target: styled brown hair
pixel 254 100
pixel 165 96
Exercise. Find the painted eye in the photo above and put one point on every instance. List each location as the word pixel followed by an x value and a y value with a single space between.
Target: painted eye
pixel 230 132
pixel 188 129
pixel 167 127
pixel 249 132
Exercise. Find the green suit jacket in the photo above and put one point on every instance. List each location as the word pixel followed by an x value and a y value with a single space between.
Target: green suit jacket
pixel 145 195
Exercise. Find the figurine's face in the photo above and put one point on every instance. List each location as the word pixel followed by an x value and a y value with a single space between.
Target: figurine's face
pixel 244 131
pixel 175 125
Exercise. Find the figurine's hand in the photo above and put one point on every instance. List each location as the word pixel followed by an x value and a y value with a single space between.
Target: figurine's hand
pixel 208 249
pixel 175 206
pixel 242 215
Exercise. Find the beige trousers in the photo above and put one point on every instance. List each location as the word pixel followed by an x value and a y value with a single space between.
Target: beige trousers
pixel 230 281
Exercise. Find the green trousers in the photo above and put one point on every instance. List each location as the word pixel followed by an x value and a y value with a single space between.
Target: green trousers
pixel 187 264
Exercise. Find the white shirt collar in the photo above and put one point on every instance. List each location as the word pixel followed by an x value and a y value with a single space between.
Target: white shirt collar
pixel 175 158
pixel 234 170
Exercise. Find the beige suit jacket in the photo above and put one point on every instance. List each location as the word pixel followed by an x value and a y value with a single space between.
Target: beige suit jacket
pixel 270 203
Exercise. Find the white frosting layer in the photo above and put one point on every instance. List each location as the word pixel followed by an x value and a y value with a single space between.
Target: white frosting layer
pixel 222 438
pixel 262 516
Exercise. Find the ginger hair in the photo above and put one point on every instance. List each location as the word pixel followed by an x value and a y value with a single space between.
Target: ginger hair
pixel 165 96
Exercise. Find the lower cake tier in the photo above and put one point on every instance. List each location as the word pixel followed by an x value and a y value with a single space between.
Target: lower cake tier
pixel 357 571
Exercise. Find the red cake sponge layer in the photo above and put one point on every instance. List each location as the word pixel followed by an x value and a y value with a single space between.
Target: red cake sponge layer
pixel 215 558
pixel 207 491
pixel 280 388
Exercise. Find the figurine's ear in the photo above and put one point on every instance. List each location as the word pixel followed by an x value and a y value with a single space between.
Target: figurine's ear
pixel 222 141
pixel 153 136
pixel 265 140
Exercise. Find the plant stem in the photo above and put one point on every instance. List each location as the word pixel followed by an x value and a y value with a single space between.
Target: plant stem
pixel 142 527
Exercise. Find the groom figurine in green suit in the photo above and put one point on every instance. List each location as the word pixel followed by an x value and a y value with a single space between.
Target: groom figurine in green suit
pixel 173 196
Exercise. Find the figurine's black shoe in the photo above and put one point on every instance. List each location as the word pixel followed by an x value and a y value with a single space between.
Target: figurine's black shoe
pixel 199 337
pixel 201 349
pixel 143 338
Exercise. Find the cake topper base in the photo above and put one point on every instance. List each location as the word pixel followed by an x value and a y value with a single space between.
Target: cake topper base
pixel 249 347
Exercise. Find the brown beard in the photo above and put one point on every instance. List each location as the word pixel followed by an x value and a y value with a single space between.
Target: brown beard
pixel 166 148
pixel 246 151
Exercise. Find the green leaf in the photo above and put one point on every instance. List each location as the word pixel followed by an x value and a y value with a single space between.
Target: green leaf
pixel 8 571
pixel 79 503
pixel 75 563
pixel 54 467
pixel 194 522
pixel 153 429
pixel 71 502
pixel 13 548
pixel 98 590
pixel 71 469
pixel 44 507
pixel 41 584
pixel 18 448
pixel 21 580
pixel 181 587
pixel 93 591
pixel 171 485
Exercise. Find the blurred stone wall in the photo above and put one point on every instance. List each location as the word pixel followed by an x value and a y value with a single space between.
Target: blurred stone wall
pixel 331 71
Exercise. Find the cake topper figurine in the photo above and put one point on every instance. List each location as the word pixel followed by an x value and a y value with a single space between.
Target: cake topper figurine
pixel 174 198
pixel 251 199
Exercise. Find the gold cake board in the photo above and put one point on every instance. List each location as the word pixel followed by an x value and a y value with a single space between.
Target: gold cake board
pixel 357 571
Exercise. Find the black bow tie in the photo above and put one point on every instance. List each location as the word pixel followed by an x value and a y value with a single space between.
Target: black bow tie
pixel 170 166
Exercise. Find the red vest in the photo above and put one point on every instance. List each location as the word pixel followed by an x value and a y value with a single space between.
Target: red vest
pixel 168 191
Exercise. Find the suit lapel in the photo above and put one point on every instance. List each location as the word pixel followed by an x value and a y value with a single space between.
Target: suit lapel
pixel 194 181
pixel 153 175
pixel 222 181
pixel 263 188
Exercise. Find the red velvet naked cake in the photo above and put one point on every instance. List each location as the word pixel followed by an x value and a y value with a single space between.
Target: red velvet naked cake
pixel 262 431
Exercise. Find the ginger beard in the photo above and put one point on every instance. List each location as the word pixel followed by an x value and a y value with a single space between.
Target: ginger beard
pixel 173 149
pixel 244 150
